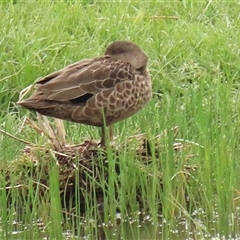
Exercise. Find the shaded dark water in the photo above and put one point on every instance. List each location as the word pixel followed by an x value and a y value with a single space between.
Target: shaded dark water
pixel 141 228
pixel 180 229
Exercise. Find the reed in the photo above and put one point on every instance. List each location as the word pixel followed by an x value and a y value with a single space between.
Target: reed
pixel 194 63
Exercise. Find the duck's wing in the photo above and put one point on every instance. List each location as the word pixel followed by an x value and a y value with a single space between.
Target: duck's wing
pixel 80 81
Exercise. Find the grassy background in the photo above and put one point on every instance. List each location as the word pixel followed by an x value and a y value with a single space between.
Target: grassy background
pixel 194 63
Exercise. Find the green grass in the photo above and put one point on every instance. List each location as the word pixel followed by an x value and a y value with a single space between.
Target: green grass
pixel 194 63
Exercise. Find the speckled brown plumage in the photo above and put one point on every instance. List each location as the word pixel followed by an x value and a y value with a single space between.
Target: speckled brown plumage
pixel 113 86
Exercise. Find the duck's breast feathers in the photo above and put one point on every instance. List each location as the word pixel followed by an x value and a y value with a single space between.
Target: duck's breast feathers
pixel 87 77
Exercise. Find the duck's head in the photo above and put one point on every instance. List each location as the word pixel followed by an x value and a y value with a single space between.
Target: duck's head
pixel 127 52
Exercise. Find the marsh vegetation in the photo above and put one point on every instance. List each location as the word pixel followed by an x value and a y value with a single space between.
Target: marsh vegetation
pixel 189 185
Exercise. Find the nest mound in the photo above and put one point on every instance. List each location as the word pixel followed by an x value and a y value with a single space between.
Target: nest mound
pixel 76 164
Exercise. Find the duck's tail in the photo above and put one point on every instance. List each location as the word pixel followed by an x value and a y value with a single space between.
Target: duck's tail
pixel 36 104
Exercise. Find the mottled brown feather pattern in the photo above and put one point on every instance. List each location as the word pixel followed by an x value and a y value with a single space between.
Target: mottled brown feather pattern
pixel 115 86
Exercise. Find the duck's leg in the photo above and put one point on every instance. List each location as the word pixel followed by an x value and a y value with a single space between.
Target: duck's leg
pixel 106 134
pixel 110 132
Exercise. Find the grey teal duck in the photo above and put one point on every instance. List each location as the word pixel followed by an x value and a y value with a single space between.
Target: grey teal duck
pixel 99 91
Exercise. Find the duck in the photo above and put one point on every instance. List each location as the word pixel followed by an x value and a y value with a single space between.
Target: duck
pixel 98 92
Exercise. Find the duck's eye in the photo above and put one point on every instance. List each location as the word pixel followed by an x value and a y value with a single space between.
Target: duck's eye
pixel 118 51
